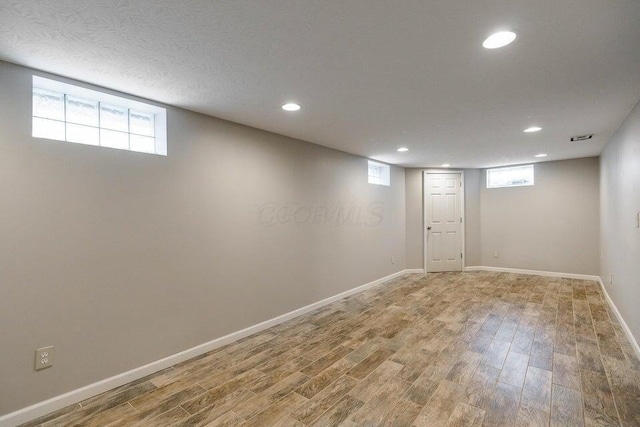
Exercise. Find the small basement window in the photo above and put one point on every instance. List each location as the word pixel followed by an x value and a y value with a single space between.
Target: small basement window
pixel 515 176
pixel 71 113
pixel 379 173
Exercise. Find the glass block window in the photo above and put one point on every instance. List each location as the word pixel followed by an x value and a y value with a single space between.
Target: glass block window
pixel 75 114
pixel 379 173
pixel 515 176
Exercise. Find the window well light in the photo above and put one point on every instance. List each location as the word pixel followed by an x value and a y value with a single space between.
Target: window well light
pixel 446 165
pixel 499 39
pixel 379 173
pixel 512 176
pixel 532 129
pixel 291 107
pixel 403 149
pixel 541 155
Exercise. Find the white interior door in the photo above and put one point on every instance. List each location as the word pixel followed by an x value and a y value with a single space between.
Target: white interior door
pixel 443 208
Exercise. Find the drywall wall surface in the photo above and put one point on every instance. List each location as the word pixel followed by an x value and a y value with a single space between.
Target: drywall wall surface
pixel 550 226
pixel 619 210
pixel 472 230
pixel 119 259
pixel 414 218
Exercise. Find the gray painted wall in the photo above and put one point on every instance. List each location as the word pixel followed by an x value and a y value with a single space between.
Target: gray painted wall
pixel 415 206
pixel 472 230
pixel 619 206
pixel 119 259
pixel 414 219
pixel 550 226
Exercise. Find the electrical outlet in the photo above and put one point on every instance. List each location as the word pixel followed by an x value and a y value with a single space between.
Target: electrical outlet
pixel 495 254
pixel 393 260
pixel 44 357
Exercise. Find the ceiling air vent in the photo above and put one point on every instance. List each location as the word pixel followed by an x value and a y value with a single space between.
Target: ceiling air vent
pixel 581 137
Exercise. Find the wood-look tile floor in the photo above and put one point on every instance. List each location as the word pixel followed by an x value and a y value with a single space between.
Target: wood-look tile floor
pixel 450 349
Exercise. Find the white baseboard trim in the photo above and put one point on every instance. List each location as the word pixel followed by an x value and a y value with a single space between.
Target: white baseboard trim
pixel 58 402
pixel 624 325
pixel 414 271
pixel 534 272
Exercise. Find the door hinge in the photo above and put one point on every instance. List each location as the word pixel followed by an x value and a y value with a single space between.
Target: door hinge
pixel 460 255
pixel 460 220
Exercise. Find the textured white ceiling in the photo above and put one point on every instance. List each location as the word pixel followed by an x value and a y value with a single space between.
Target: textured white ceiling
pixel 371 75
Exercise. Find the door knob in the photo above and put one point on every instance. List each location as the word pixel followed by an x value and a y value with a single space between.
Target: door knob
pixel 428 228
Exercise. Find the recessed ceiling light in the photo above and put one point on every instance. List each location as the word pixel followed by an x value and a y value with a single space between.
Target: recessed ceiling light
pixel 532 129
pixel 403 149
pixel 446 165
pixel 541 155
pixel 291 107
pixel 499 39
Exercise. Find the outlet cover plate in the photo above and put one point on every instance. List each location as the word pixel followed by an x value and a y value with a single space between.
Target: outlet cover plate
pixel 44 357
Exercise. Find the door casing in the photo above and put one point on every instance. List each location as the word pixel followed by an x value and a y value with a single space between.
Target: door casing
pixel 424 214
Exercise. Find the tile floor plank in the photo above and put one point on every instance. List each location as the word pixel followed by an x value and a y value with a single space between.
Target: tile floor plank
pixel 530 417
pixel 503 409
pixel 322 401
pixel 374 411
pixel 465 416
pixel 324 378
pixel 566 407
pixel 402 414
pixel 537 389
pixel 339 412
pixel 514 369
pixel 565 371
pixel 496 354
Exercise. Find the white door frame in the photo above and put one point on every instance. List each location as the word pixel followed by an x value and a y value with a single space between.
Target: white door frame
pixel 424 214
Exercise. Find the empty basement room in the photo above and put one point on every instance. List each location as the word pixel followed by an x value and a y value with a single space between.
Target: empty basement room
pixel 319 213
